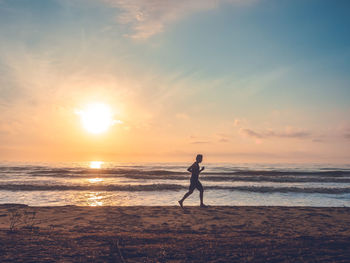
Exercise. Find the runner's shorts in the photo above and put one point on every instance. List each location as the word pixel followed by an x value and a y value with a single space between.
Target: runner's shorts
pixel 195 184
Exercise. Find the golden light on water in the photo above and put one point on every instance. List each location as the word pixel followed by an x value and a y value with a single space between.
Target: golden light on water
pixel 95 199
pixel 96 164
pixel 95 180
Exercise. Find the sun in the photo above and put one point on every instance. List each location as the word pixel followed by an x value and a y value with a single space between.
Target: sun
pixel 96 164
pixel 96 117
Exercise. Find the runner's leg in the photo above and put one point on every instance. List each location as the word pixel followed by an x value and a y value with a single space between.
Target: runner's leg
pixel 190 191
pixel 201 192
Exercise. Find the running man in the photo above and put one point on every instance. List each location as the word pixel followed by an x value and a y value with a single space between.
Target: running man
pixel 195 183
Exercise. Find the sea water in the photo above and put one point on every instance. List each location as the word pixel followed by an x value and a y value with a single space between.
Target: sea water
pixel 106 184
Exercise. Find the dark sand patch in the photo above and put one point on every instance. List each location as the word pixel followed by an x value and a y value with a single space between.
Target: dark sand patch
pixel 167 234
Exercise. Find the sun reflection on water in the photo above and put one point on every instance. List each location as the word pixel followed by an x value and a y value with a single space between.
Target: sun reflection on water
pixel 94 199
pixel 96 164
pixel 95 180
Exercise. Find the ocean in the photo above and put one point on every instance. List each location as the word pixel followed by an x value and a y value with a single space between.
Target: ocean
pixel 163 184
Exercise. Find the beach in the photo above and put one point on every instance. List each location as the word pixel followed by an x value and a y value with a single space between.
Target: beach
pixel 151 131
pixel 170 234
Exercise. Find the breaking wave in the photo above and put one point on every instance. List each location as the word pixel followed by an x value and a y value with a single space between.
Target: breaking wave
pixel 170 187
pixel 322 175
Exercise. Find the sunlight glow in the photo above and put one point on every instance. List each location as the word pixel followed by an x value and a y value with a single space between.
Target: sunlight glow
pixel 96 118
pixel 95 199
pixel 95 164
pixel 95 180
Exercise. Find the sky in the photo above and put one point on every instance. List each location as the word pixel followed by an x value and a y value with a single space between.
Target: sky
pixel 236 80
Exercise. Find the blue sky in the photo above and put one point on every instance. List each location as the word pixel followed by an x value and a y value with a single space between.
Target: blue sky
pixel 267 80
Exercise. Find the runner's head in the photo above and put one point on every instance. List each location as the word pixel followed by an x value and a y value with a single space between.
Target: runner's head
pixel 199 158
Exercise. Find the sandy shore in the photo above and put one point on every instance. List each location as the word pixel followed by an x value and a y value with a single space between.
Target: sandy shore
pixel 169 234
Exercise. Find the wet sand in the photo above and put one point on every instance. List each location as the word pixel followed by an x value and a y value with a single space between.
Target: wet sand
pixel 169 234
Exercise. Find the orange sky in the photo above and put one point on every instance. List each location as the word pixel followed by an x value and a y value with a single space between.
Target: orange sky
pixel 237 81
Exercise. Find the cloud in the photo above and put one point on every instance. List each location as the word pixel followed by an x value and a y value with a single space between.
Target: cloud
pixel 289 132
pixel 237 122
pixel 150 17
pixel 223 137
pixel 251 133
pixel 224 140
pixel 194 139
pixel 200 142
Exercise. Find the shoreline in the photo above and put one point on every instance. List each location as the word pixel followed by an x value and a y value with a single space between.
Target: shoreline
pixel 169 234
pixel 167 206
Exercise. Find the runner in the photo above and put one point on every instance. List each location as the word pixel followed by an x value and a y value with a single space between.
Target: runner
pixel 195 183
